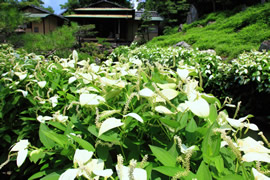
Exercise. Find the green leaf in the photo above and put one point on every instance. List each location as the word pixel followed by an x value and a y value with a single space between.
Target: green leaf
pixel 219 164
pixel 232 177
pixel 83 143
pixel 52 176
pixel 144 77
pixel 47 142
pixel 36 155
pixel 165 157
pixel 172 123
pixel 213 113
pixel 203 172
pixel 57 125
pixel 211 143
pixel 167 170
pixel 110 137
pixel 37 175
pixel 58 138
pixel 192 126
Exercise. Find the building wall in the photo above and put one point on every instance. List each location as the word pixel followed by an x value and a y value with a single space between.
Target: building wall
pixel 50 24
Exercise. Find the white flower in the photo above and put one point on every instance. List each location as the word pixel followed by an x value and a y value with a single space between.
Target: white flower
pixel 72 79
pixel 91 99
pixel 42 119
pixel 42 84
pixel 190 90
pixel 21 147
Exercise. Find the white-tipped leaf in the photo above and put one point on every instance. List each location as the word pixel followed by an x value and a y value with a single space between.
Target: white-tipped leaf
pixel 22 144
pixel 259 176
pixel 167 86
pixel 146 92
pixel 199 107
pixel 135 116
pixel 22 154
pixel 183 74
pixel 169 93
pixel 42 84
pixel 108 124
pixel 82 156
pixel 91 99
pixel 163 110
pixel 253 156
pixel 69 174
pixel 72 79
pixel 21 75
pixel 104 173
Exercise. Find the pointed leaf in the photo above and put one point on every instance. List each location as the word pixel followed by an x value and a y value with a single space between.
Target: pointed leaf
pixel 135 116
pixel 22 154
pixel 169 93
pixel 109 124
pixel 163 110
pixel 163 156
pixel 69 174
pixel 83 143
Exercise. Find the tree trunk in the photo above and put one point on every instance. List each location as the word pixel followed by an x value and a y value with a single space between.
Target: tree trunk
pixel 214 5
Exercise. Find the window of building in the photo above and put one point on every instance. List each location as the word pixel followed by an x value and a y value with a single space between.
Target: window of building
pixel 36 30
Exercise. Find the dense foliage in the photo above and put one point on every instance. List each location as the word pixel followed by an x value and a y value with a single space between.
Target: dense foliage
pixel 228 33
pixel 130 119
pixel 245 79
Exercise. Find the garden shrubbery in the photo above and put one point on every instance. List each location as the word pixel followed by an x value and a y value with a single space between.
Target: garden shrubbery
pixel 144 116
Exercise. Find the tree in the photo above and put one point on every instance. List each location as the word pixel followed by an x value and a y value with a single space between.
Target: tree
pixel 10 17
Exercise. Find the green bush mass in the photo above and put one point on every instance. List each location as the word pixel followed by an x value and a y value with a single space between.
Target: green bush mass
pixel 144 116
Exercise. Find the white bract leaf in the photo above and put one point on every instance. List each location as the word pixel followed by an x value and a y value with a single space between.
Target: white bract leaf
pixel 24 93
pixel 72 79
pixel 54 100
pixel 146 92
pixel 253 156
pixel 108 82
pixel 91 99
pixel 163 110
pixel 42 119
pixel 183 74
pixel 22 154
pixel 108 124
pixel 169 93
pixel 69 174
pixel 251 126
pixel 95 68
pixel 185 149
pixel 94 164
pixel 104 173
pixel 135 115
pixel 21 145
pixel 248 144
pixel 182 107
pixel 259 176
pixel 82 156
pixel 75 56
pixel 167 86
pixel 41 84
pixel 199 107
pixel 21 75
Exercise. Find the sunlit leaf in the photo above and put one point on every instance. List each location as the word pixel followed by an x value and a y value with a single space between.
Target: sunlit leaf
pixel 22 154
pixel 163 110
pixel 109 124
pixel 135 116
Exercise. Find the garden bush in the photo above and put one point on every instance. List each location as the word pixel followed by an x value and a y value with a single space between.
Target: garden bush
pixel 135 118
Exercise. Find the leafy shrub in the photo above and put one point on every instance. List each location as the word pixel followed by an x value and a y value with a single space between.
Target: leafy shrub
pixel 75 118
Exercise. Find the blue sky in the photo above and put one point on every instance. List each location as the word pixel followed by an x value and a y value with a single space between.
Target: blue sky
pixel 55 4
